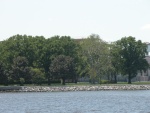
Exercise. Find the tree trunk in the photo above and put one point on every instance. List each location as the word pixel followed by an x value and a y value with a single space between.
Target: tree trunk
pixel 129 78
pixel 49 81
pixel 63 81
pixel 48 78
pixel 108 77
pixel 76 80
pixel 93 81
pixel 115 79
pixel 100 80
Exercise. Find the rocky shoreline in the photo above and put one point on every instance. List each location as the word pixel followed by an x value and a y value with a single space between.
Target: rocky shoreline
pixel 72 88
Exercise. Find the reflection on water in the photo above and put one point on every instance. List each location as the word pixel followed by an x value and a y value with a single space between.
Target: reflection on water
pixel 76 102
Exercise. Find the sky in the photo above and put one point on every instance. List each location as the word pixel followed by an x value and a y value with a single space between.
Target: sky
pixel 110 19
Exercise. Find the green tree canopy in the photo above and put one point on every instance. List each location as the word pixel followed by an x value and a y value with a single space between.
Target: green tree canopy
pixel 22 45
pixel 62 67
pixel 20 69
pixel 114 54
pixel 131 56
pixel 3 75
pixel 96 52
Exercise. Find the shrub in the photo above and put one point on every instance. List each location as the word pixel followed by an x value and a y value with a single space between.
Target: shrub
pixel 105 82
pixel 37 76
pixel 22 81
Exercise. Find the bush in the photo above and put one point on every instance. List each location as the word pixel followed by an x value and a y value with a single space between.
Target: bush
pixel 22 81
pixel 105 82
pixel 38 76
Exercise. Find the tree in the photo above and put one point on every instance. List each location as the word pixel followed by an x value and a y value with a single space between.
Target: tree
pixel 131 56
pixel 37 50
pixel 54 47
pixel 20 70
pixel 96 52
pixel 62 67
pixel 22 45
pixel 32 48
pixel 3 75
pixel 51 48
pixel 114 66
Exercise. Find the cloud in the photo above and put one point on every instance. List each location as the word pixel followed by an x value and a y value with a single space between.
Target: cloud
pixel 146 27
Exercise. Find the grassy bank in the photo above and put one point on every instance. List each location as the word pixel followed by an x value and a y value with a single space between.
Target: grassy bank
pixel 85 84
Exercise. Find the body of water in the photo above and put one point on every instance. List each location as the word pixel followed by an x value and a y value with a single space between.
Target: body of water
pixel 76 102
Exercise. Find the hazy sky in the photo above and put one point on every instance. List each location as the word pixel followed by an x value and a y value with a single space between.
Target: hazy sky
pixel 111 19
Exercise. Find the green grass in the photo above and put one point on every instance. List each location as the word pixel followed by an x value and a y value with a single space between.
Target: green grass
pixel 142 83
pixel 85 84
pixel 89 84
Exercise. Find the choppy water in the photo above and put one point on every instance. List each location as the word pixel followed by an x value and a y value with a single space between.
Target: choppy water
pixel 76 102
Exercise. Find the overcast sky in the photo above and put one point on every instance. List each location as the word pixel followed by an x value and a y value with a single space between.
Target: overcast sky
pixel 111 19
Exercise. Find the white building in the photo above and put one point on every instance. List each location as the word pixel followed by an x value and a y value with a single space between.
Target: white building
pixel 148 49
pixel 145 76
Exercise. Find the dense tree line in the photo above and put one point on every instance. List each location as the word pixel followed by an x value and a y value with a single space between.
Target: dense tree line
pixel 27 58
pixel 37 60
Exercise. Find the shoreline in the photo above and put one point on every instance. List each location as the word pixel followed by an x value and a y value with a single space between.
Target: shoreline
pixel 71 88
